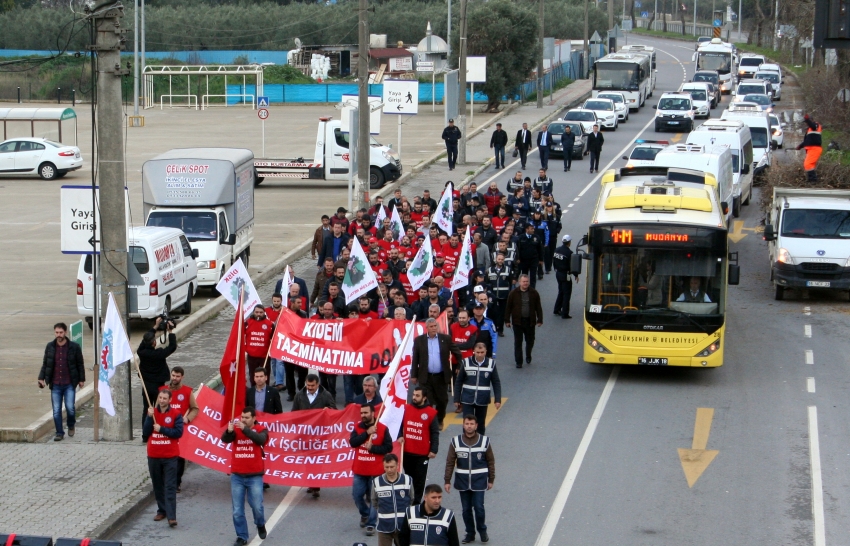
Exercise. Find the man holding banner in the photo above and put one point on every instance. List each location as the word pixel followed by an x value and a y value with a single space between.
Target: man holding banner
pixel 373 441
pixel 246 472
pixel 163 428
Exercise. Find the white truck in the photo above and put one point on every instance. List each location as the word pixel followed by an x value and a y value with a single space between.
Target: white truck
pixel 208 193
pixel 808 239
pixel 331 160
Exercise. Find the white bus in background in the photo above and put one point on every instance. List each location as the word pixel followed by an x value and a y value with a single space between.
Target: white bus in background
pixel 628 73
pixel 650 52
pixel 719 56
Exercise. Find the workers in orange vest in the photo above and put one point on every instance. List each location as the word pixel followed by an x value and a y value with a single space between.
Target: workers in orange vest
pixel 814 147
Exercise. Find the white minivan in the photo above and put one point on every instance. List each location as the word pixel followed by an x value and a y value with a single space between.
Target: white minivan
pixel 736 135
pixel 162 275
pixel 758 121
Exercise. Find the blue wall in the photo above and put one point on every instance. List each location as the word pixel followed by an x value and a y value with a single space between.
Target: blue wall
pixel 329 92
pixel 199 57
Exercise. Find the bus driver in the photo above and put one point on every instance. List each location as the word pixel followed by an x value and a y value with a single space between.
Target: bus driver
pixel 694 294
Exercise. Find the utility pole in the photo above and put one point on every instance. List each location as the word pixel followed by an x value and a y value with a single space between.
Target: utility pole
pixel 610 13
pixel 586 44
pixel 109 40
pixel 136 57
pixel 776 26
pixel 449 32
pixel 461 80
pixel 363 163
pixel 540 35
pixel 143 60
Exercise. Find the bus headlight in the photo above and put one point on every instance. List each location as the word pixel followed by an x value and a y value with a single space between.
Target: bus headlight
pixel 784 257
pixel 597 346
pixel 711 349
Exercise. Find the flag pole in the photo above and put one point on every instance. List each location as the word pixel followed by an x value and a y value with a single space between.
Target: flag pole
pixel 269 351
pixel 144 390
pixel 239 354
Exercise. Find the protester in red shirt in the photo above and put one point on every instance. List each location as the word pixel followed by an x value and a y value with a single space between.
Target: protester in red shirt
pixel 162 430
pixel 364 308
pixel 247 469
pixel 258 338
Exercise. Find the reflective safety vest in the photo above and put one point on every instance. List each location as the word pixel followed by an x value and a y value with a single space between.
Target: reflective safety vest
pixel 429 530
pixel 476 386
pixel 471 470
pixel 393 499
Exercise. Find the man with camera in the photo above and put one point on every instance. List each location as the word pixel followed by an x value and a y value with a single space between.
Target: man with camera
pixel 152 360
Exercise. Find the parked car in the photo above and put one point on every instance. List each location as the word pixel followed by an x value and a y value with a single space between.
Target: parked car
pixel 558 128
pixel 38 156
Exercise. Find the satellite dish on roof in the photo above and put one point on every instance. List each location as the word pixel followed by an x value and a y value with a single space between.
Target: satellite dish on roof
pixel 298 43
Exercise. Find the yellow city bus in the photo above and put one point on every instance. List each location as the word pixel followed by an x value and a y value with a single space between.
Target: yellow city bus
pixel 658 270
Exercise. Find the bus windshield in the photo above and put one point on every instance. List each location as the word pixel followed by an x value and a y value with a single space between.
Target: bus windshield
pixel 816 223
pixel 615 76
pixel 657 275
pixel 198 226
pixel 721 62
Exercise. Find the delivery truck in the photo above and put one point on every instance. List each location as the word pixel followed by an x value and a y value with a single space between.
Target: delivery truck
pixel 208 193
pixel 331 160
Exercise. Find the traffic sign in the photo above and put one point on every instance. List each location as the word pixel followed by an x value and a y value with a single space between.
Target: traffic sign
pixel 644 15
pixel 425 66
pixel 262 102
pixel 76 333
pixel 596 38
pixel 263 114
pixel 401 97
pixel 637 4
pixel 718 23
pixel 844 95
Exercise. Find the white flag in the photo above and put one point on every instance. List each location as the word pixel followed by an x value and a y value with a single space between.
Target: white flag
pixel 379 216
pixel 285 284
pixel 229 285
pixel 395 382
pixel 114 351
pixel 422 265
pixel 396 225
pixel 359 276
pixel 444 213
pixel 465 263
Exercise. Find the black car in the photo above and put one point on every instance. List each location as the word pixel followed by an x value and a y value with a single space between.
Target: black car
pixel 558 128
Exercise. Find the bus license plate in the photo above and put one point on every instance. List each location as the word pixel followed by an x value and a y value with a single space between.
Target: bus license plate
pixel 818 284
pixel 652 361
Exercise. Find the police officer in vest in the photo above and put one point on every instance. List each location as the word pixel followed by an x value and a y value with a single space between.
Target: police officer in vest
pixel 372 440
pixel 561 262
pixel 163 428
pixel 246 472
pixel 429 524
pixel 474 382
pixel 421 439
pixel 392 495
pixel 499 280
pixel 473 455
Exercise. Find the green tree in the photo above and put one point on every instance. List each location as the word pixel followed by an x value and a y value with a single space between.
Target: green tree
pixel 506 33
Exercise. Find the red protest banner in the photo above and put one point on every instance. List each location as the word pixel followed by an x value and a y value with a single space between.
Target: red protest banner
pixel 305 448
pixel 342 347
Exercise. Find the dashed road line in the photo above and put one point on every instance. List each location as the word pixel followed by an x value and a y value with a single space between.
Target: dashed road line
pixel 810 356
pixel 810 384
pixel 807 311
pixel 817 479
pixel 807 330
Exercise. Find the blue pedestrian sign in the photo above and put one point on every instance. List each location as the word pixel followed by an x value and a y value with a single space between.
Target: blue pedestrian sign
pixel 644 14
pixel 262 102
pixel 637 4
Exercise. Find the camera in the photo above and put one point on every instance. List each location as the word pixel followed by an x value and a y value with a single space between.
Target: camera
pixel 165 323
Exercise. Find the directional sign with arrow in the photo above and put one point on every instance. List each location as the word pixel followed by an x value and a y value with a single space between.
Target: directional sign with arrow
pixel 401 97
pixel 695 461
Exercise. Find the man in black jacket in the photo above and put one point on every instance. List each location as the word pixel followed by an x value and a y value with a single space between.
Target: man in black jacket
pixel 63 370
pixel 152 362
pixel 451 135
pixel 498 142
pixel 544 141
pixel 562 258
pixel 261 396
pixel 333 244
pixel 595 140
pixel 568 142
pixel 313 396
pixel 530 253
pixel 523 144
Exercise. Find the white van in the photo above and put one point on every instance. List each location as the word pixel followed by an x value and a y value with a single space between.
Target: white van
pixel 758 121
pixel 736 135
pixel 162 275
pixel 715 160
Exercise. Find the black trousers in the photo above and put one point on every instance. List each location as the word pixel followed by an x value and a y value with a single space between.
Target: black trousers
pixel 562 302
pixel 544 156
pixel 497 314
pixel 436 390
pixel 523 331
pixel 549 251
pixel 480 413
pixel 594 161
pixel 164 480
pixel 523 155
pixel 416 466
pixel 181 468
pixel 568 159
pixel 291 371
pixel 328 381
pixel 451 152
pixel 530 269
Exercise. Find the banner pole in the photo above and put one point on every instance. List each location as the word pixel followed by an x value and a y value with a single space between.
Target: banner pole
pixel 239 355
pixel 144 390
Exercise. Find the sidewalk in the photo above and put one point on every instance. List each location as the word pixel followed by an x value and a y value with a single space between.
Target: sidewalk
pixel 78 488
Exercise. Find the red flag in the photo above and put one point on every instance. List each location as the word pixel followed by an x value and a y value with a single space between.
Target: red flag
pixel 442 324
pixel 232 370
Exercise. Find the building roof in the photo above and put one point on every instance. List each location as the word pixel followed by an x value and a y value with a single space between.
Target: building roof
pixel 388 52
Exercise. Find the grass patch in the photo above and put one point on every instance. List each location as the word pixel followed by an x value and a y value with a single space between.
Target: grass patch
pixel 560 84
pixel 662 34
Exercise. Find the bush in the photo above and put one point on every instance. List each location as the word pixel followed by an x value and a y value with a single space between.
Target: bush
pixel 284 73
pixel 833 174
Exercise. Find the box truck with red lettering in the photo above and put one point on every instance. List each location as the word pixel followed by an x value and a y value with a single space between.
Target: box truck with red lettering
pixel 208 193
pixel 161 274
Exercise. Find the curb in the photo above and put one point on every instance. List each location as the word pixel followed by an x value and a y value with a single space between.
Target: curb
pixel 122 515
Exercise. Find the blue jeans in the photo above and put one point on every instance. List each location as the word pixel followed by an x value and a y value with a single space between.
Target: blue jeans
pixel 353 386
pixel 361 490
pixel 279 371
pixel 252 486
pixel 500 155
pixel 473 501
pixel 58 393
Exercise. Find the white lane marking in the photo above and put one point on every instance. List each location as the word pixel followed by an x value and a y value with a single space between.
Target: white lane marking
pixel 810 356
pixel 292 498
pixel 570 205
pixel 807 330
pixel 577 198
pixel 817 480
pixel 551 523
pixel 810 384
pixel 807 310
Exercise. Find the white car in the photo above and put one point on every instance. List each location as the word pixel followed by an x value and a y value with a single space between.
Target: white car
pixel 644 152
pixel 45 158
pixel 701 96
pixel 777 135
pixel 620 104
pixel 606 113
pixel 771 67
pixel 748 64
pixel 674 111
pixel 775 79
pixel 587 118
